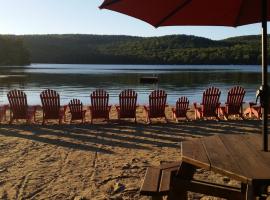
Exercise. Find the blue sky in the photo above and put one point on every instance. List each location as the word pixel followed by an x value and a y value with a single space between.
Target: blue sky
pixel 83 16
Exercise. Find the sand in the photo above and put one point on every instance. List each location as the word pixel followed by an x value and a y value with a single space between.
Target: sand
pixel 100 161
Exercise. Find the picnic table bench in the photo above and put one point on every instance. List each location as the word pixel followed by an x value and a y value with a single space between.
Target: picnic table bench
pixel 238 157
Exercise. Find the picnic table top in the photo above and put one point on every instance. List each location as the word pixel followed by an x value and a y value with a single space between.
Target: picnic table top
pixel 237 156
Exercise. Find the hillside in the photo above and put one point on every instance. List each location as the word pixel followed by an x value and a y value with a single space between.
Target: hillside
pixel 13 52
pixel 174 49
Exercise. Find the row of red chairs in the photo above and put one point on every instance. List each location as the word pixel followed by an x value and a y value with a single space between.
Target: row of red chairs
pixel 100 108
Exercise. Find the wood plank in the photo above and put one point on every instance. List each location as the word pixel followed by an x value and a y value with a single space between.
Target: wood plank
pixel 254 142
pixel 167 172
pixel 151 182
pixel 208 188
pixel 164 166
pixel 221 160
pixel 165 181
pixel 249 163
pixel 193 152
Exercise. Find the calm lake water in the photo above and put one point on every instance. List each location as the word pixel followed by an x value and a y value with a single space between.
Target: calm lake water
pixel 80 80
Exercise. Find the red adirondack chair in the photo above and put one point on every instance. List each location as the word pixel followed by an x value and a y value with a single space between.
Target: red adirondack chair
pixel 76 110
pixel 19 108
pixel 210 104
pixel 127 104
pixel 181 108
pixel 99 105
pixel 234 103
pixel 51 107
pixel 157 105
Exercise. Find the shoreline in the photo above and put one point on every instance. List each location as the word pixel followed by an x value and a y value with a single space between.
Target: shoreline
pixel 140 113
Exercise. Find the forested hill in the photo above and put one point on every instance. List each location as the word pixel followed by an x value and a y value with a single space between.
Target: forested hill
pixel 174 49
pixel 13 52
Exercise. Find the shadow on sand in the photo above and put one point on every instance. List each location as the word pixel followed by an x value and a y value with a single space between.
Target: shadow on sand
pixel 104 138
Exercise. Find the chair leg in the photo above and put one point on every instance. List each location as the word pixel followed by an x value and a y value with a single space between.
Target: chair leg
pixel 11 120
pixel 166 120
pixel 186 171
pixel 5 115
pixel 187 118
pixel 28 120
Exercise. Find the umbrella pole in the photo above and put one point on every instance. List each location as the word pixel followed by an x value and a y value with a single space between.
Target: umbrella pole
pixel 264 76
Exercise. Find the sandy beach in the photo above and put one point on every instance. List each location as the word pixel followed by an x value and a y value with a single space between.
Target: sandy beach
pixel 100 161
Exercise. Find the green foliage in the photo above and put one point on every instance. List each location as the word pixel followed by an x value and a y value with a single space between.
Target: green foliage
pixel 13 52
pixel 174 49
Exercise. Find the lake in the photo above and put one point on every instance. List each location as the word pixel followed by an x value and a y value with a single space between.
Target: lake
pixel 78 81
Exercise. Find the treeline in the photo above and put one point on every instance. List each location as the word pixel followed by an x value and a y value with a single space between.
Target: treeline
pixel 174 49
pixel 13 52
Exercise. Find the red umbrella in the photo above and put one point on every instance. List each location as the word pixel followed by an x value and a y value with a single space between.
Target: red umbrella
pixel 203 13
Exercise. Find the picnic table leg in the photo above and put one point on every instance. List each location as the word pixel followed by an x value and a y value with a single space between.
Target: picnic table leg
pixel 178 192
pixel 157 198
pixel 250 194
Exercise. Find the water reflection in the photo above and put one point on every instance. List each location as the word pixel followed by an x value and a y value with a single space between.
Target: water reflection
pixel 80 80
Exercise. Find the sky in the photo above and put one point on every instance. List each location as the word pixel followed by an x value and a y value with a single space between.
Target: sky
pixel 84 17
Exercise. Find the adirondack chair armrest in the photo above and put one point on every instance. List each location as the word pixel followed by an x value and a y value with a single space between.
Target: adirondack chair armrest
pixel 117 107
pixel 146 108
pixel 64 107
pixel 63 110
pixel 32 108
pixel 252 104
pixel 5 106
pixel 109 107
pixel 196 105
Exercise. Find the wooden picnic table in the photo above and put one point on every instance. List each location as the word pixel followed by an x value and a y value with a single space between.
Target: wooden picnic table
pixel 239 157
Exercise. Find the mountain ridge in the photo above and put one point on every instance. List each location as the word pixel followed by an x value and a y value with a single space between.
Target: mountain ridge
pixel 121 49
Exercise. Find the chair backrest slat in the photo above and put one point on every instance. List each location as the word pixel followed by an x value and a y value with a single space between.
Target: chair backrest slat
pixel 157 103
pixel 99 103
pixel 76 109
pixel 50 100
pixel 18 103
pixel 182 105
pixel 128 103
pixel 235 99
pixel 211 100
pixel 236 95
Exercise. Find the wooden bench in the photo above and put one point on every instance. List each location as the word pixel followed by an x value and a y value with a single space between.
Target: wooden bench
pixel 175 179
pixel 238 157
pixel 157 180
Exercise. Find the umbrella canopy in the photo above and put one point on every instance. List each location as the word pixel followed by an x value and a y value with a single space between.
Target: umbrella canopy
pixel 191 12
pixel 204 13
